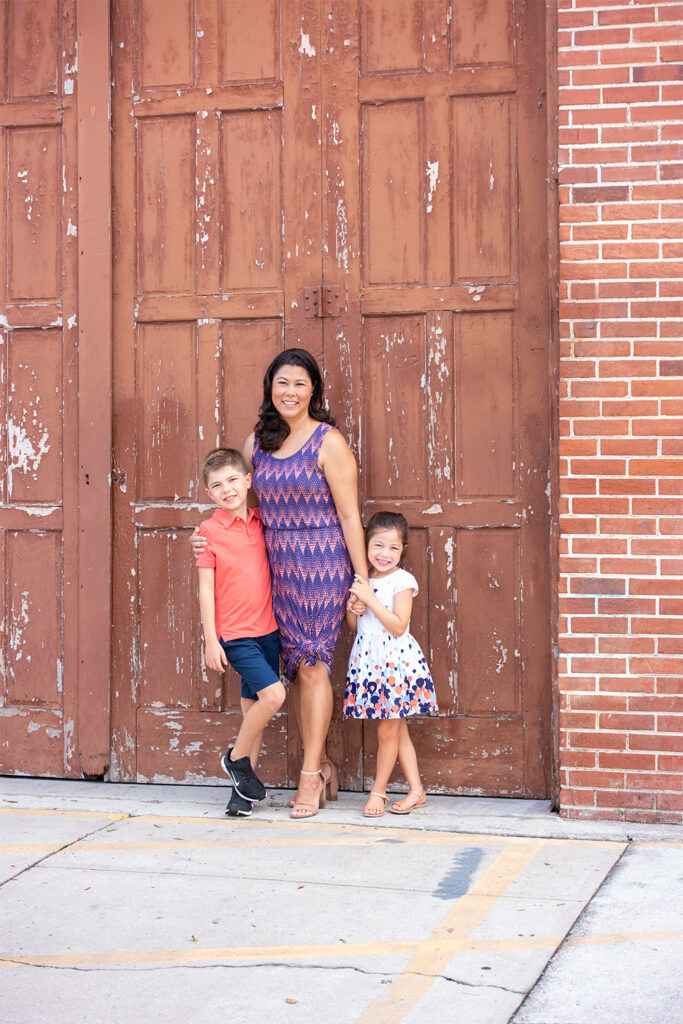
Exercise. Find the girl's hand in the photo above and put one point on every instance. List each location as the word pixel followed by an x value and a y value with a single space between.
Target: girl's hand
pixel 355 606
pixel 362 590
pixel 198 543
pixel 214 656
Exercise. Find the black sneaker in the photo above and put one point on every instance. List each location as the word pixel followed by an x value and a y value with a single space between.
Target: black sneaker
pixel 238 807
pixel 243 777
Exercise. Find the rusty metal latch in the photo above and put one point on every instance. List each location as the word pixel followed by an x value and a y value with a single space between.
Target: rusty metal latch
pixel 322 301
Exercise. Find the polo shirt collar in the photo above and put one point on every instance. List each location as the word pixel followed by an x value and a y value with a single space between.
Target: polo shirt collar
pixel 227 518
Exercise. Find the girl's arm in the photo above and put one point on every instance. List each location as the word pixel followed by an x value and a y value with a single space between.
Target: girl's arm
pixel 395 620
pixel 339 466
pixel 214 653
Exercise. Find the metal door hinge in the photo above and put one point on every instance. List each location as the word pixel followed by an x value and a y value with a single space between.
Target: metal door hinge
pixel 322 301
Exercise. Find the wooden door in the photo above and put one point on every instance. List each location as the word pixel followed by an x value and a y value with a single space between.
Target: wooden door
pixel 394 151
pixel 54 386
pixel 435 226
pixel 216 234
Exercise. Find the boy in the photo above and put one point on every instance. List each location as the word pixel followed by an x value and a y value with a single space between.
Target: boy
pixel 235 601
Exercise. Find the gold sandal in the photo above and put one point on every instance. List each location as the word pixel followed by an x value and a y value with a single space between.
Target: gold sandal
pixel 375 814
pixel 309 809
pixel 399 806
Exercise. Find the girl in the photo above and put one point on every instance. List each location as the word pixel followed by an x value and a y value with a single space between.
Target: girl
pixel 388 678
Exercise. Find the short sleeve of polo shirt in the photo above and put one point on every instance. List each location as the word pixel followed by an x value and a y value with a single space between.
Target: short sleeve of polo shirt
pixel 206 559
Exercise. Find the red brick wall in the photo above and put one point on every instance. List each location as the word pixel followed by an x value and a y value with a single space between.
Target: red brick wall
pixel 621 408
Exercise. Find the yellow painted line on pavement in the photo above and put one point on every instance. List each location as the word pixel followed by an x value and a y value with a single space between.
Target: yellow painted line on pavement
pixel 54 812
pixel 443 948
pixel 466 913
pixel 406 834
pixel 32 848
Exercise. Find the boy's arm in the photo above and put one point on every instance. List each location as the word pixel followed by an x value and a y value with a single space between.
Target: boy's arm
pixel 214 653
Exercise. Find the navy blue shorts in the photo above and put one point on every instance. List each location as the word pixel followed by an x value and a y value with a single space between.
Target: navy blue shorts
pixel 256 659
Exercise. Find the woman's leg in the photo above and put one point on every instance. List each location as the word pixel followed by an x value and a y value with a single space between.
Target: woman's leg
pixel 315 714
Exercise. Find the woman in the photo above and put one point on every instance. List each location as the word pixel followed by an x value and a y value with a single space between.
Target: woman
pixel 305 477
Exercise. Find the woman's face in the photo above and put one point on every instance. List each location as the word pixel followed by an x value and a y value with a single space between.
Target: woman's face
pixel 291 391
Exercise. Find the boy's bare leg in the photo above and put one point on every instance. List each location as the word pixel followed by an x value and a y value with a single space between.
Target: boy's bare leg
pixel 257 714
pixel 255 751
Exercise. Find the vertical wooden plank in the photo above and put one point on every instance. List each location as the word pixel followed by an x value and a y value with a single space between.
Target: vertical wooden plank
pixel 68 179
pixel 125 651
pixel 534 333
pixel 94 432
pixel 301 43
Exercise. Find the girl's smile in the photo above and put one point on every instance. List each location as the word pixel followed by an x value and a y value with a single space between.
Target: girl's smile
pixel 384 551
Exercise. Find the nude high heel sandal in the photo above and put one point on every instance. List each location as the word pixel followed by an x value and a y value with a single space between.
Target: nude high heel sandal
pixel 331 776
pixel 309 810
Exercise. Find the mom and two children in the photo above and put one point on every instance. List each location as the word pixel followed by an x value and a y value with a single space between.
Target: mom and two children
pixel 278 583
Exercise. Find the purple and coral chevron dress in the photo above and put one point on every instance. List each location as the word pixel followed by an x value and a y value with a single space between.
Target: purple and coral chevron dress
pixel 309 562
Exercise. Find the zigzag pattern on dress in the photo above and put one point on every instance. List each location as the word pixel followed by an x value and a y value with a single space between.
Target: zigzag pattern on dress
pixel 310 565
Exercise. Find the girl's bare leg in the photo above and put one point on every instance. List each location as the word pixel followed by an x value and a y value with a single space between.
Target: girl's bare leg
pixel 387 753
pixel 407 758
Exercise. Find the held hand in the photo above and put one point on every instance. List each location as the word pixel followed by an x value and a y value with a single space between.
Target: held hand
pixel 362 590
pixel 355 606
pixel 198 542
pixel 215 656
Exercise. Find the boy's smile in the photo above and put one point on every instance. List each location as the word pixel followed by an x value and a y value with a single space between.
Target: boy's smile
pixel 228 487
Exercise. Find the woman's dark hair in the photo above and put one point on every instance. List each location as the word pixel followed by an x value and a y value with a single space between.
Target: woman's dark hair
pixel 389 521
pixel 271 429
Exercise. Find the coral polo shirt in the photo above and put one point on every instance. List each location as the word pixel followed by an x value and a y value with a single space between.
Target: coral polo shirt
pixel 237 551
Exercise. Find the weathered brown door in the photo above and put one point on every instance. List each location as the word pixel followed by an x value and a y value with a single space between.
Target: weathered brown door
pixel 55 388
pixel 394 151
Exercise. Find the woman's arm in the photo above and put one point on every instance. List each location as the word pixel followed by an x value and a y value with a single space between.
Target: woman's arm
pixel 396 620
pixel 248 453
pixel 339 466
pixel 351 618
pixel 214 653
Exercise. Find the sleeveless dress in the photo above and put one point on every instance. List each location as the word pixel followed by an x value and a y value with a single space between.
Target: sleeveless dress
pixel 310 566
pixel 388 676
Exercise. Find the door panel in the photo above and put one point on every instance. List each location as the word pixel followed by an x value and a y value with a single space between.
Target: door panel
pixel 39 720
pixel 445 342
pixel 224 236
pixel 393 151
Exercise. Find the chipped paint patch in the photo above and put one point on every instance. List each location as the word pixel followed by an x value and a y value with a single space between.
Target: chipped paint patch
pixel 305 46
pixel 25 456
pixel 432 178
pixel 342 237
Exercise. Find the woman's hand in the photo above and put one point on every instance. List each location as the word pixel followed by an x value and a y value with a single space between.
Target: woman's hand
pixel 355 606
pixel 362 591
pixel 197 542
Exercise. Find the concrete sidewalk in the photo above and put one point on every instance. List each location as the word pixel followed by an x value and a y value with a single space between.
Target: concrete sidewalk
pixel 144 903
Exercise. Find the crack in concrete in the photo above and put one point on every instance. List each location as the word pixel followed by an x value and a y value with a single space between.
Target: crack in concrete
pixel 53 853
pixel 288 965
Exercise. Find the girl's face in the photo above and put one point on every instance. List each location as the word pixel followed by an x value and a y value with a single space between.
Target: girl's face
pixel 291 391
pixel 384 551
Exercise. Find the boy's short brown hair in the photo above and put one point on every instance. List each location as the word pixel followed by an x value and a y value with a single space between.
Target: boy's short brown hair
pixel 220 457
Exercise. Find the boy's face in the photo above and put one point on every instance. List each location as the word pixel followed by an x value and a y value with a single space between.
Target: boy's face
pixel 228 488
